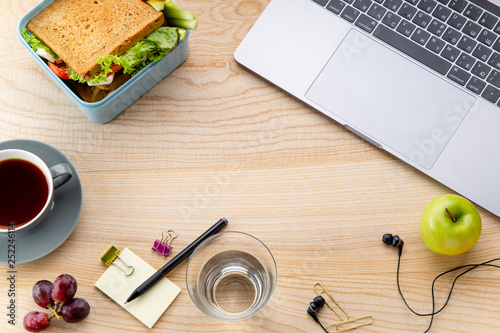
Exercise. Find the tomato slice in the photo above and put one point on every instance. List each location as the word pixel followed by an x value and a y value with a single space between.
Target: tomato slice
pixel 59 69
pixel 115 68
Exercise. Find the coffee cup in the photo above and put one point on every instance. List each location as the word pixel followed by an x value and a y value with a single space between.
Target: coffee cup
pixel 27 188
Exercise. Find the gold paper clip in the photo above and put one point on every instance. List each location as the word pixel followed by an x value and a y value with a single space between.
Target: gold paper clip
pixel 343 323
pixel 357 322
pixel 322 292
pixel 109 257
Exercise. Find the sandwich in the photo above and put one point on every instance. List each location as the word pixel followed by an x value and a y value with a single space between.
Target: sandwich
pixel 97 45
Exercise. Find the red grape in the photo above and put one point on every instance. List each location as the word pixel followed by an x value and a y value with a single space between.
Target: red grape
pixel 36 321
pixel 64 288
pixel 42 294
pixel 75 310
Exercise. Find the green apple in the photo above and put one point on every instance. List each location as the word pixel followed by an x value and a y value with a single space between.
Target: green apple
pixel 450 225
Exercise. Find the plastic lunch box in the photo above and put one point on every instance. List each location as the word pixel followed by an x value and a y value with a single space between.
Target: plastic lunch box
pixel 120 99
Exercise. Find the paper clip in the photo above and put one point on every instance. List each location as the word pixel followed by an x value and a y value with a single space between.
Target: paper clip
pixel 322 292
pixel 357 322
pixel 345 320
pixel 110 256
pixel 163 246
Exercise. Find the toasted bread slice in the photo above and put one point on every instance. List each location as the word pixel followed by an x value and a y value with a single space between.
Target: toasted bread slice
pixel 80 31
pixel 92 94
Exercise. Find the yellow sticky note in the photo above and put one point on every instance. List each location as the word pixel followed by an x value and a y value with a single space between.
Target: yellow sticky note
pixel 149 307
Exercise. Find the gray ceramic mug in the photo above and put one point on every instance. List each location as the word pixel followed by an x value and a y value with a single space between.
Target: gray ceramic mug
pixel 55 177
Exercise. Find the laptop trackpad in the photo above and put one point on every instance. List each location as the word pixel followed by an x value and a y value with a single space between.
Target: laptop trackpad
pixel 398 103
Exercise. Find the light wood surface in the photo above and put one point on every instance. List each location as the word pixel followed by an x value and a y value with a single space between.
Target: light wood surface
pixel 213 140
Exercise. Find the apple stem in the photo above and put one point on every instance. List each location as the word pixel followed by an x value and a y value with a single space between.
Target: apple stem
pixel 451 215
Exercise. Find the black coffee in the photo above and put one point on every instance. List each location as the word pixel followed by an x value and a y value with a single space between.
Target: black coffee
pixel 23 192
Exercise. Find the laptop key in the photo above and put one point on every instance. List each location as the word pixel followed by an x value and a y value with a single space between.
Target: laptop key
pixel 495 60
pixel 450 52
pixel 488 20
pixel 451 36
pixel 435 44
pixel 444 2
pixel 497 28
pixel 472 29
pixel 335 6
pixel 413 2
pixel 481 70
pixel 321 2
pixel 407 11
pixel 458 5
pixel 496 45
pixel 427 5
pixel 467 44
pixel 441 13
pixel 412 49
pixel 487 37
pixel 482 52
pixel 476 85
pixel 436 27
pixel 458 75
pixel 421 36
pixel 465 61
pixel 422 19
pixel 406 28
pixel 457 21
pixel 392 4
pixel 494 78
pixel 391 20
pixel 362 5
pixel 491 93
pixel 377 11
pixel 350 14
pixel 473 12
pixel 366 23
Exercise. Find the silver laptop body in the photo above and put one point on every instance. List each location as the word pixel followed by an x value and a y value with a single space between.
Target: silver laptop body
pixel 402 99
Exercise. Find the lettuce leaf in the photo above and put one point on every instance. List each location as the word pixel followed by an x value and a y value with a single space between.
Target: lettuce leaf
pixel 36 43
pixel 153 47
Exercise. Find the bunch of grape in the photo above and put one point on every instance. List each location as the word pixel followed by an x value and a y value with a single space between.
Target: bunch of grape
pixel 58 298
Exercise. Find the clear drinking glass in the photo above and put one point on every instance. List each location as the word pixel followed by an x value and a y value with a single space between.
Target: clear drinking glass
pixel 231 276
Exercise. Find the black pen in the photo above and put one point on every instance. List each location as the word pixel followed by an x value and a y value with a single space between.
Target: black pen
pixel 176 260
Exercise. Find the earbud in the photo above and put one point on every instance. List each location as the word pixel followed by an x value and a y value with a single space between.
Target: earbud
pixel 395 241
pixel 316 305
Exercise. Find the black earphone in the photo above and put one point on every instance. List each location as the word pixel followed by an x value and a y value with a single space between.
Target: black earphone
pixel 314 307
pixel 396 241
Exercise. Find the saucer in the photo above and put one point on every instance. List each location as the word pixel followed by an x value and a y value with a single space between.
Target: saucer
pixel 36 243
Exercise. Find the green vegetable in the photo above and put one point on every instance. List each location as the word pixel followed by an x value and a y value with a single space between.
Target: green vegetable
pixel 156 4
pixel 186 24
pixel 36 43
pixel 177 17
pixel 178 14
pixel 172 4
pixel 182 33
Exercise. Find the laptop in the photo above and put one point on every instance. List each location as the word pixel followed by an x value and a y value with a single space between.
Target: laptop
pixel 417 78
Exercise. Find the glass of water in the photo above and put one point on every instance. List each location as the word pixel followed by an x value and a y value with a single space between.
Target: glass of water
pixel 231 276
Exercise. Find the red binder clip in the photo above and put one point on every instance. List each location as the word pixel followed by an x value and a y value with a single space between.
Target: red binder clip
pixel 163 246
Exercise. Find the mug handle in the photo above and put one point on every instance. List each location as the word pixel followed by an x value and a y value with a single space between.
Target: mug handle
pixel 61 173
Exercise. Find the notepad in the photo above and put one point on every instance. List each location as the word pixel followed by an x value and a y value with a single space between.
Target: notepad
pixel 149 307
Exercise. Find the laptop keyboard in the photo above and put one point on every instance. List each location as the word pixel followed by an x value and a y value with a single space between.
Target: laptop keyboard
pixel 455 38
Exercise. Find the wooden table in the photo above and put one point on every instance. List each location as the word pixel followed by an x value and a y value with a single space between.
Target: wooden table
pixel 214 140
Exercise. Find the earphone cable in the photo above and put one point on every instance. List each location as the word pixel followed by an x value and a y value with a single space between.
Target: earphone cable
pixel 471 267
